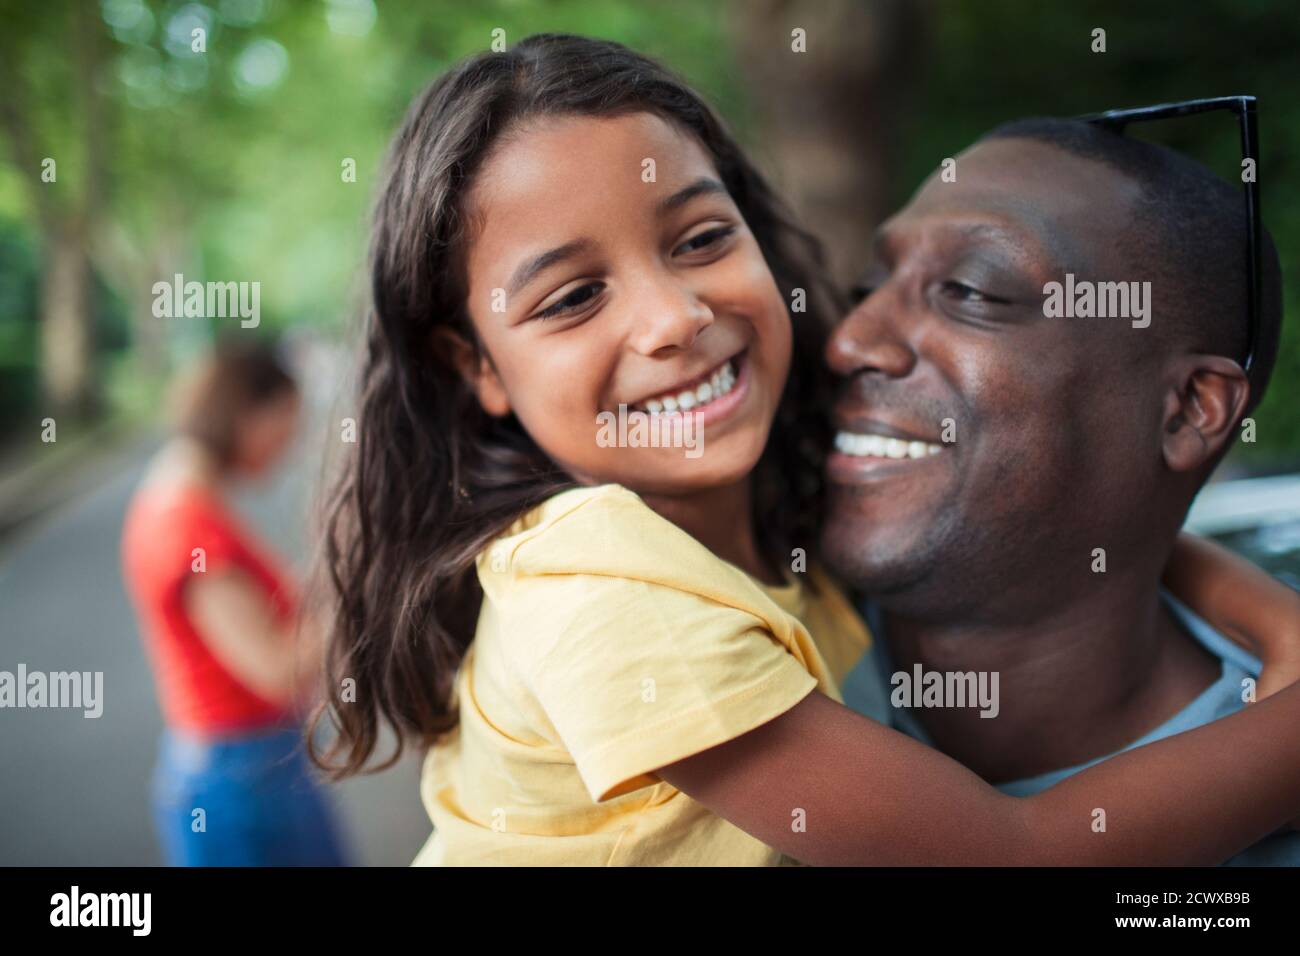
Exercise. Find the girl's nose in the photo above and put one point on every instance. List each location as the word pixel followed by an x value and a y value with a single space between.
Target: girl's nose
pixel 669 316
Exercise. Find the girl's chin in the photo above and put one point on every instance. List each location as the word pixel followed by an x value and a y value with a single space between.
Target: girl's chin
pixel 669 472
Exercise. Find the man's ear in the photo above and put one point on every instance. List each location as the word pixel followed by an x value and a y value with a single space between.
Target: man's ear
pixel 1206 397
pixel 476 368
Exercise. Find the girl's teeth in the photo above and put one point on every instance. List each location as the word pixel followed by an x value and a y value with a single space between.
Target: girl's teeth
pixel 719 384
pixel 878 446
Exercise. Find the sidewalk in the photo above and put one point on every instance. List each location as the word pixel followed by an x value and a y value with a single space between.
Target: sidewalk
pixel 36 477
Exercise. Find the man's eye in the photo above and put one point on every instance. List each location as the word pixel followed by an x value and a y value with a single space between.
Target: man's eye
pixel 704 240
pixel 964 293
pixel 860 292
pixel 578 297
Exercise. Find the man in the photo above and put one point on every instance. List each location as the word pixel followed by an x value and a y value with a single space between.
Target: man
pixel 1031 548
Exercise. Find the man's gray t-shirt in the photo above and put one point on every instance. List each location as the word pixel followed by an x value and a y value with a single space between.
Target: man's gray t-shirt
pixel 867 690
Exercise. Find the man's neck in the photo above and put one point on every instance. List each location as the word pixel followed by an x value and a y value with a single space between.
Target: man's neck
pixel 1075 683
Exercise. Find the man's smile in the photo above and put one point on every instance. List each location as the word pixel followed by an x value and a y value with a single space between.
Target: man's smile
pixel 865 444
pixel 868 445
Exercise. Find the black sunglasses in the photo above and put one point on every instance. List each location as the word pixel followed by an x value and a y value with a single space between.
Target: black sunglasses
pixel 1244 108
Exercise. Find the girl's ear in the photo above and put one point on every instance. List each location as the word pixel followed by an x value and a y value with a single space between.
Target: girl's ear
pixel 476 368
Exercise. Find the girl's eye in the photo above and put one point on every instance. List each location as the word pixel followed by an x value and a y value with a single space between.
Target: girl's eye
pixel 575 299
pixel 704 240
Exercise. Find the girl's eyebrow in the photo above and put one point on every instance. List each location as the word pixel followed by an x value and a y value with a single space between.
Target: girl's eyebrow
pixel 529 269
pixel 702 186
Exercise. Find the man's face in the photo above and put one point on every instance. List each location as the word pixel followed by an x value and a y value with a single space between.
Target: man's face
pixel 1048 427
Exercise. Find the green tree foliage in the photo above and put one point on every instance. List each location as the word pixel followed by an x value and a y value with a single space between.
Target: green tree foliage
pixel 227 163
pixel 223 152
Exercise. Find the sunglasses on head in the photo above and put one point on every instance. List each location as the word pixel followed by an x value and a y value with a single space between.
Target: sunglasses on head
pixel 1244 108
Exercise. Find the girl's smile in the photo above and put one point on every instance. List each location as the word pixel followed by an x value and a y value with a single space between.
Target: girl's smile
pixel 710 398
pixel 697 390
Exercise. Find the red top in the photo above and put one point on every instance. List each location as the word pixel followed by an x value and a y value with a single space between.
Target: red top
pixel 163 529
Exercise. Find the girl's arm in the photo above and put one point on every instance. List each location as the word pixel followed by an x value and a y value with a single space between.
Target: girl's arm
pixel 828 786
pixel 1255 610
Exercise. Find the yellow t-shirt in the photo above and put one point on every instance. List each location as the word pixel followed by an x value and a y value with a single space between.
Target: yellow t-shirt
pixel 611 643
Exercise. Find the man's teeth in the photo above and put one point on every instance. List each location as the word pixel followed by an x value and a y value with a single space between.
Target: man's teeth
pixel 878 446
pixel 720 383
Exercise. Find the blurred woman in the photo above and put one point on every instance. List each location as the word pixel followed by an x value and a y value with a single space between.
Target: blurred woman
pixel 219 617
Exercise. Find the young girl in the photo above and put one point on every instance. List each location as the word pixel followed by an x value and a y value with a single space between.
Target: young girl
pixel 567 230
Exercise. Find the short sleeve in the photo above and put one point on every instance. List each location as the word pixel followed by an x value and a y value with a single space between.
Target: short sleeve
pixel 639 669
pixel 643 676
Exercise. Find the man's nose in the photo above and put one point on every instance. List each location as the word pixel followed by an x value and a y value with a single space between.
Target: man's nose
pixel 872 338
pixel 668 314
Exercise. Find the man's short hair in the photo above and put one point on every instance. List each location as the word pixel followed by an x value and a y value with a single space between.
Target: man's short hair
pixel 1198 223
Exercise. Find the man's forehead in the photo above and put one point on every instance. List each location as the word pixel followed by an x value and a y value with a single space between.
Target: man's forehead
pixel 1066 205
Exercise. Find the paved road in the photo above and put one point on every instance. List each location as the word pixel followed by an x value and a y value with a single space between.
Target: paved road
pixel 73 791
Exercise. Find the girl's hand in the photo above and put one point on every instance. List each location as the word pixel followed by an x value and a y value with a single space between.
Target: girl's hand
pixel 1244 603
pixel 1278 672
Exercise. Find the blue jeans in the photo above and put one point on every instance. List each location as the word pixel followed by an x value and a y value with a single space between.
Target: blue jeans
pixel 241 801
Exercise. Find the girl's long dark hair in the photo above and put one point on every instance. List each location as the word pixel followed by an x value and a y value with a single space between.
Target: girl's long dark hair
pixel 433 479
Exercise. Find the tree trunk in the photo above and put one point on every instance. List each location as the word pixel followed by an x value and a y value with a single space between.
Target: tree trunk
pixel 67 333
pixel 828 117
pixel 65 211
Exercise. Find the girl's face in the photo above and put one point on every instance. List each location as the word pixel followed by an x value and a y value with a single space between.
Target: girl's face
pixel 591 287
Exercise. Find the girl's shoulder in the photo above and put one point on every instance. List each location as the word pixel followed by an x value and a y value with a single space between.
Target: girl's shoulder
pixel 604 529
pixel 162 517
pixel 598 569
pixel 606 541
pixel 595 502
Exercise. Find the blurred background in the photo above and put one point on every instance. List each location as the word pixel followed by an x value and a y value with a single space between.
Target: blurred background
pixel 232 164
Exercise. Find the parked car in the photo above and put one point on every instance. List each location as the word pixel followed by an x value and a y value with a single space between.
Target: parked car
pixel 1256 517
